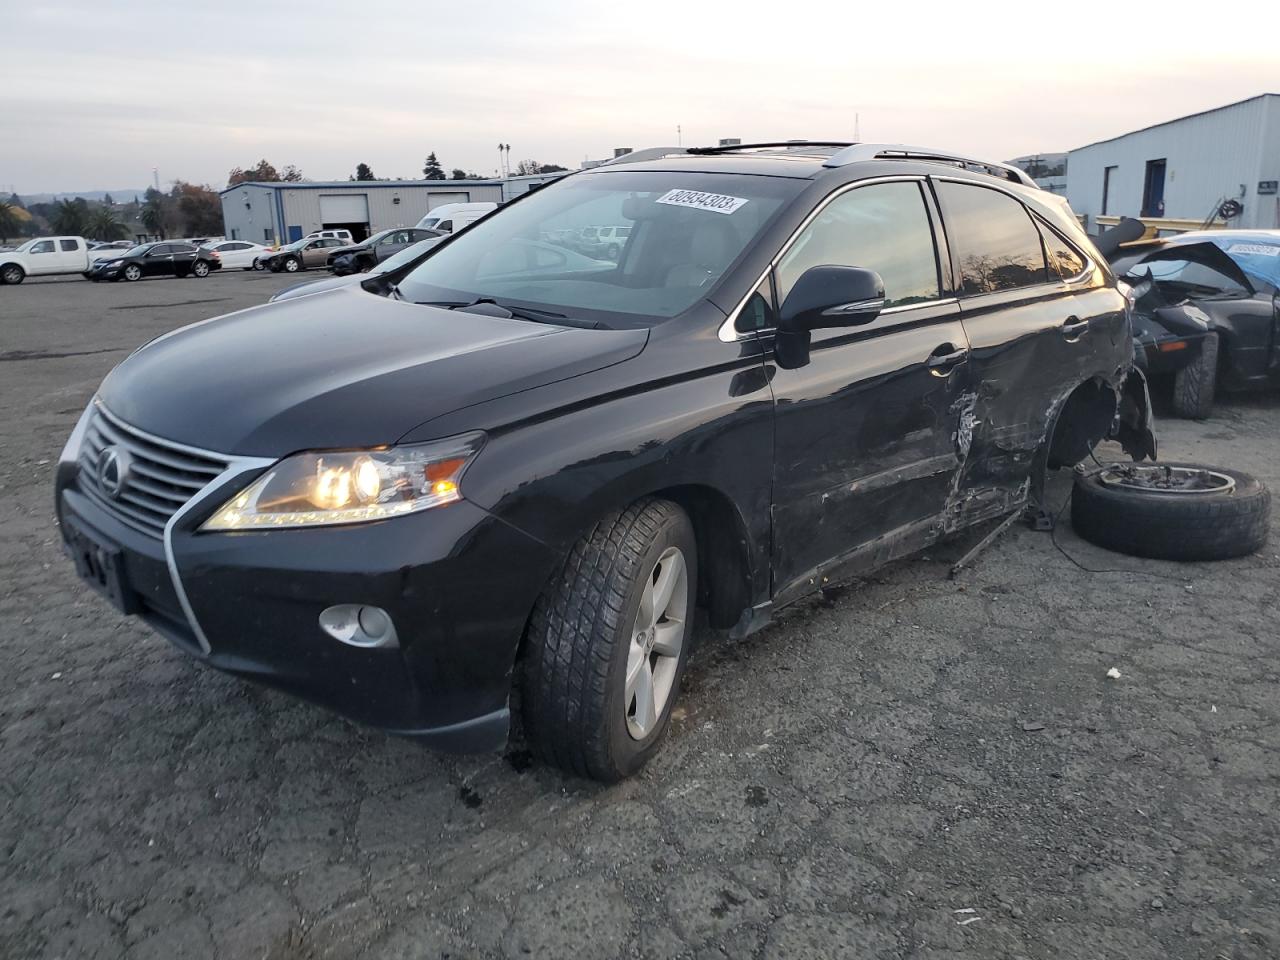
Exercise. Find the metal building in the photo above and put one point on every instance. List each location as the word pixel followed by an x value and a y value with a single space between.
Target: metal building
pixel 1184 170
pixel 283 212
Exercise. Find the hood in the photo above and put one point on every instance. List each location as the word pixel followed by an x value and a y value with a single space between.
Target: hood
pixel 343 369
pixel 1127 260
pixel 349 248
pixel 308 287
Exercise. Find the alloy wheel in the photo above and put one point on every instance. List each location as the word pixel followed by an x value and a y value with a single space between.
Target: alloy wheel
pixel 656 641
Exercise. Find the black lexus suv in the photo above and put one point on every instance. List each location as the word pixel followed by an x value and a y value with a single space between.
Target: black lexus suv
pixel 507 476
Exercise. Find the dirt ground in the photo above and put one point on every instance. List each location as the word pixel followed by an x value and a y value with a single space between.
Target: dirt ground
pixel 908 767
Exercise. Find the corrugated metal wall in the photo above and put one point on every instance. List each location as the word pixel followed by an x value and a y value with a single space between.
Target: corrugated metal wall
pixel 1208 156
pixel 302 204
pixel 248 213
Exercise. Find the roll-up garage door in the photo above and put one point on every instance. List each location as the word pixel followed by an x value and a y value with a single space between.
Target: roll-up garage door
pixel 344 208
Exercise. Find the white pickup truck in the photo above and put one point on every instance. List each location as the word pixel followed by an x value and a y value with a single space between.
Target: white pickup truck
pixel 44 256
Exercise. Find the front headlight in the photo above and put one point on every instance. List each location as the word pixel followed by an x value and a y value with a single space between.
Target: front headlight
pixel 354 486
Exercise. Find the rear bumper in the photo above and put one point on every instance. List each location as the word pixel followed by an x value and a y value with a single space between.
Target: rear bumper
pixel 457 583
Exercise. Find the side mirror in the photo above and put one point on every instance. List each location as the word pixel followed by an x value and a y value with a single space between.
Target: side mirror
pixel 824 297
pixel 832 297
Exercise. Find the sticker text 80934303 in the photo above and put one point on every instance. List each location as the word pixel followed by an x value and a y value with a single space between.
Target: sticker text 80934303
pixel 715 202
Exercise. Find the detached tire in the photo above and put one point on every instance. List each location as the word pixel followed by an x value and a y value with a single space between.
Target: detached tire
pixel 1167 525
pixel 1193 386
pixel 608 642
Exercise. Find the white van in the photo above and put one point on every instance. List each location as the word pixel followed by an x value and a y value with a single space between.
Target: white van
pixel 451 217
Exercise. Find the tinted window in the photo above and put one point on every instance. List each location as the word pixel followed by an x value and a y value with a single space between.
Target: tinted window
pixel 885 228
pixel 997 243
pixel 160 250
pixel 1064 262
pixel 69 245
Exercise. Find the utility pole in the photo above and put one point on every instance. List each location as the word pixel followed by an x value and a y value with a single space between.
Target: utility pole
pixel 155 177
pixel 679 136
pixel 857 134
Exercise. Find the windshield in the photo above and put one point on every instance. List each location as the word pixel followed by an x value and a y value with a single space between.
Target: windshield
pixel 407 255
pixel 685 230
pixel 1259 260
pixel 137 251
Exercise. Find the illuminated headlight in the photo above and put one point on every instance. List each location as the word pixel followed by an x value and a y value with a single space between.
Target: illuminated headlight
pixel 353 486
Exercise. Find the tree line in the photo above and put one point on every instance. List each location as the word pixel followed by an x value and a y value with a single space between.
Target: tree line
pixel 187 210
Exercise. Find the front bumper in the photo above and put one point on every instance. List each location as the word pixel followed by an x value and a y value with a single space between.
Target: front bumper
pixel 457 582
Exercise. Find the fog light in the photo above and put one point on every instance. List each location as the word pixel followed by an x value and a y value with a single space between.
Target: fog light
pixel 359 625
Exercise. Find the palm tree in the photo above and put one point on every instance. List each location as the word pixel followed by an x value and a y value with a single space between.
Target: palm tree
pixel 103 225
pixel 9 226
pixel 71 217
pixel 153 216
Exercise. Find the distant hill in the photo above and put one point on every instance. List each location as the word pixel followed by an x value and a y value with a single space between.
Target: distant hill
pixel 119 196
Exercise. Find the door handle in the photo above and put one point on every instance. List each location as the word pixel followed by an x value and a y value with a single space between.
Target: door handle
pixel 1073 328
pixel 946 358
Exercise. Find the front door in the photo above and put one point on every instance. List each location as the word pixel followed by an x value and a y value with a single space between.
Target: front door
pixel 42 257
pixel 866 431
pixel 159 260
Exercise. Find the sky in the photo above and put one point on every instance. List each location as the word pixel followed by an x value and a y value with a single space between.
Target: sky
pixel 94 95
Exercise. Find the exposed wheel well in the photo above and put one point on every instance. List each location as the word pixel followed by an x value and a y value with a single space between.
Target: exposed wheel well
pixel 1083 420
pixel 724 565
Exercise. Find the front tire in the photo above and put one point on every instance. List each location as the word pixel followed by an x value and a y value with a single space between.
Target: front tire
pixel 11 273
pixel 200 269
pixel 132 272
pixel 291 265
pixel 259 265
pixel 608 642
pixel 1193 386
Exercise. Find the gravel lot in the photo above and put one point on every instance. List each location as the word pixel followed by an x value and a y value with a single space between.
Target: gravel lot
pixel 908 767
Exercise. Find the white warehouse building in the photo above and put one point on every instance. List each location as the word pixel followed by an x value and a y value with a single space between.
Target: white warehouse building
pixel 283 212
pixel 1185 169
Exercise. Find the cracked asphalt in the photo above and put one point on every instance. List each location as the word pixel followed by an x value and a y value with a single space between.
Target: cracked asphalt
pixel 908 766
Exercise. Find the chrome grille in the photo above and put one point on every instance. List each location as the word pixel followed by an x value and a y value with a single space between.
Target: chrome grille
pixel 161 476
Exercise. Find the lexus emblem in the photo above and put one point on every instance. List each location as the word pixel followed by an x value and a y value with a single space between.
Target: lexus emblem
pixel 113 470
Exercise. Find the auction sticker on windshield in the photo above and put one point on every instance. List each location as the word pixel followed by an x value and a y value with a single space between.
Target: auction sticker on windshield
pixel 1258 249
pixel 715 202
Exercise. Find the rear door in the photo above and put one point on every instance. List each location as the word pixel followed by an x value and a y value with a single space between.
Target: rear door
pixel 866 450
pixel 1034 333
pixel 72 255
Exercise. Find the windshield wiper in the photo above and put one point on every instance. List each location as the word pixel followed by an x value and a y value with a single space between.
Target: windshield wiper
pixel 532 314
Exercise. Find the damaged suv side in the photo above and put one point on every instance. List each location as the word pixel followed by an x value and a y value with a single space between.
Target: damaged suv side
pixel 504 476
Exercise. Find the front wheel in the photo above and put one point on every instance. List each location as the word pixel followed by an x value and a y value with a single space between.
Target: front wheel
pixel 1193 386
pixel 259 265
pixel 12 273
pixel 291 265
pixel 200 268
pixel 608 642
pixel 132 272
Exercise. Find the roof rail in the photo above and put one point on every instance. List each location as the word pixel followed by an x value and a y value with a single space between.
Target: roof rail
pixel 731 147
pixel 858 152
pixel 648 153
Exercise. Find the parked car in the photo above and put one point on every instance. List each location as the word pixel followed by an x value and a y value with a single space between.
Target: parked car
pixel 452 217
pixel 343 235
pixel 441 484
pixel 165 258
pixel 361 257
pixel 49 256
pixel 1212 312
pixel 300 255
pixel 307 287
pixel 604 242
pixel 239 254
pixel 108 245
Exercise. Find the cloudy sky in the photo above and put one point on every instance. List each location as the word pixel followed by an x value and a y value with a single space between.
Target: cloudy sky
pixel 93 95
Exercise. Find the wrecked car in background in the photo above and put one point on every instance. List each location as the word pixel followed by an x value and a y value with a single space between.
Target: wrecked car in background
pixel 1210 314
pixel 484 482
